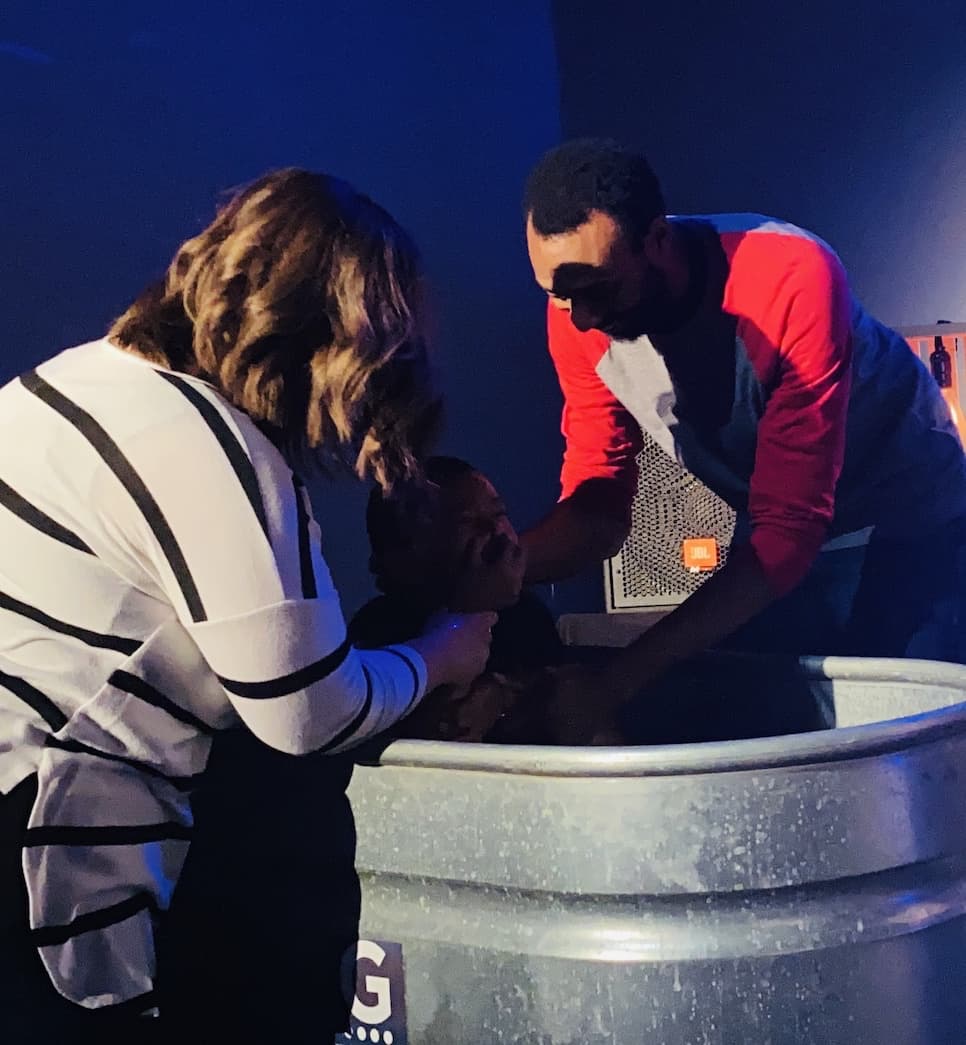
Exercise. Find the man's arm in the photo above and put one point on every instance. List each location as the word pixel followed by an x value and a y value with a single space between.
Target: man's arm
pixel 585 702
pixel 731 598
pixel 798 458
pixel 585 528
pixel 599 474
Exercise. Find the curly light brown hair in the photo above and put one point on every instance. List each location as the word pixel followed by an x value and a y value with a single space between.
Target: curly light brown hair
pixel 301 304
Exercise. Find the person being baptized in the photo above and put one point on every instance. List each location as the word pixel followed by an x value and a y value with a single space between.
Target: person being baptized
pixel 448 545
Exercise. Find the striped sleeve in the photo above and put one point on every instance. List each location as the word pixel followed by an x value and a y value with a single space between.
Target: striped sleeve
pixel 215 518
pixel 602 440
pixel 314 691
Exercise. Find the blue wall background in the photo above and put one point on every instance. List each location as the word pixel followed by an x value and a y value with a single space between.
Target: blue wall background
pixel 121 123
pixel 846 117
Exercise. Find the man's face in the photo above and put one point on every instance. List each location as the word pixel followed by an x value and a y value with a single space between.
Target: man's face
pixel 597 275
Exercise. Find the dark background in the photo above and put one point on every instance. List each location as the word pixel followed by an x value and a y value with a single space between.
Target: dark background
pixel 121 123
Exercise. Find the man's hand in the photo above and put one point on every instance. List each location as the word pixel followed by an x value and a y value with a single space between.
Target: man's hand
pixel 584 529
pixel 491 575
pixel 463 713
pixel 580 711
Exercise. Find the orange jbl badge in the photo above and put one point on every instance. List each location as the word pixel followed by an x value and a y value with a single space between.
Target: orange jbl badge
pixel 699 553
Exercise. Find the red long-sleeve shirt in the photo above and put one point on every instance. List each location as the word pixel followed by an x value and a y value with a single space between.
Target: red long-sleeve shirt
pixel 781 394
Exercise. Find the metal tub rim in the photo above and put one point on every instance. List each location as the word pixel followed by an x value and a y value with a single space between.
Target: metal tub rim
pixel 823 746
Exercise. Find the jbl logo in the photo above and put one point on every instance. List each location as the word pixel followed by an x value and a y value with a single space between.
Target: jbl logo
pixel 699 554
pixel 375 974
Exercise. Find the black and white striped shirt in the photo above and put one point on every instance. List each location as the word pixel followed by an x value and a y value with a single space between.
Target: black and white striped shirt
pixel 161 577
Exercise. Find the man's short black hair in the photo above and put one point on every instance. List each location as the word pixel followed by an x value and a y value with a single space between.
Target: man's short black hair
pixel 589 174
pixel 392 520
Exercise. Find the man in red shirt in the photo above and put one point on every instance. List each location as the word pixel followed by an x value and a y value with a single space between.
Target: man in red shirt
pixel 734 341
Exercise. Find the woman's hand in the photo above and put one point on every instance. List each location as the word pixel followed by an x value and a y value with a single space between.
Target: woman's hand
pixel 455 647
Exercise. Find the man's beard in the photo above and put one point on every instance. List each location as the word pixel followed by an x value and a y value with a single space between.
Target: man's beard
pixel 655 313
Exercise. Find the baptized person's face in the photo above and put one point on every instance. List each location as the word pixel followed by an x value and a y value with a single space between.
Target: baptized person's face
pixel 469 509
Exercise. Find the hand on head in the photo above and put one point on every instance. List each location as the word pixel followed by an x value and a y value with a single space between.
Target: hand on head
pixel 490 575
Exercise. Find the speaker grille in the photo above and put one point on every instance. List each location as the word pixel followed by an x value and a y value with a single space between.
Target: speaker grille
pixel 671 505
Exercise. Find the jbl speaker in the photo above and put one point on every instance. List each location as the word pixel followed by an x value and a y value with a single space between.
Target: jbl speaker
pixel 680 535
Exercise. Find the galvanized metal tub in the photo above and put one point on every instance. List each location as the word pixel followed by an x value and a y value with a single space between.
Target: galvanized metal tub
pixel 805 888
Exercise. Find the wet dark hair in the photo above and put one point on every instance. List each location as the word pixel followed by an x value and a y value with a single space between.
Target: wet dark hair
pixel 588 174
pixel 393 519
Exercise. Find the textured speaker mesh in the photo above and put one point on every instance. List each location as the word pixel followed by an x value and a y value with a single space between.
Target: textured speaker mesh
pixel 671 504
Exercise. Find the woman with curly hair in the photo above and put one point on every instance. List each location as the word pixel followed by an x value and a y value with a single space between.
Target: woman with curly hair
pixel 161 576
